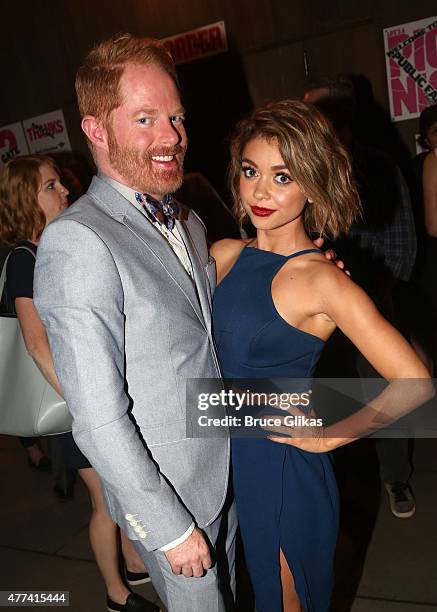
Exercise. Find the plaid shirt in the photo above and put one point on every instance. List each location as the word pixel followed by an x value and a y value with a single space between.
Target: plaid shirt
pixel 394 244
pixel 385 239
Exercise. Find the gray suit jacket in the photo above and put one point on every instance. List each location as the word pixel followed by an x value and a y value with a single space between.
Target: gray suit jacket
pixel 127 328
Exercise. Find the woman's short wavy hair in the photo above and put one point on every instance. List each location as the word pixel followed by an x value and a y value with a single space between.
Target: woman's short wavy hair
pixel 313 155
pixel 21 217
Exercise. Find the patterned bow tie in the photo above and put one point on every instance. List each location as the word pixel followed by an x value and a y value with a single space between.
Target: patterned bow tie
pixel 164 212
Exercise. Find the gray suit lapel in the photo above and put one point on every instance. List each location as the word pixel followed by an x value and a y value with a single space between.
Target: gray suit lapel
pixel 119 207
pixel 161 249
pixel 200 277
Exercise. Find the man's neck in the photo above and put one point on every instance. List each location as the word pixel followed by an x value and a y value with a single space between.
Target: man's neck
pixel 122 185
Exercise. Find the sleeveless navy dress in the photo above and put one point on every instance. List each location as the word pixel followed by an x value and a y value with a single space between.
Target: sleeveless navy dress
pixel 286 498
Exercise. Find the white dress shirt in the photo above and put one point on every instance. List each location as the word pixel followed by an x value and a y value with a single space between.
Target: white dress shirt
pixel 173 237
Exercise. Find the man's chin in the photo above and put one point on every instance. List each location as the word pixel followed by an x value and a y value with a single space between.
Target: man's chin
pixel 139 174
pixel 162 186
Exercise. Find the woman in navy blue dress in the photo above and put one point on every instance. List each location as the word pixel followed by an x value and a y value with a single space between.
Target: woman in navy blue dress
pixel 277 301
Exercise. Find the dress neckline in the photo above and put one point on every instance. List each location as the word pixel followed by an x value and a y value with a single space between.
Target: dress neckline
pixel 290 256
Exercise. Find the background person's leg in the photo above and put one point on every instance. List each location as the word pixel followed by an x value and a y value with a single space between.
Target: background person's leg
pixel 395 470
pixel 35 456
pixel 63 475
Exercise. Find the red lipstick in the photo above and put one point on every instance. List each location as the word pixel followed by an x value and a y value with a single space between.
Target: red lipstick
pixel 259 211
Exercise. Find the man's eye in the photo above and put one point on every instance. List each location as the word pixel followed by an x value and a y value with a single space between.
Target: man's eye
pixel 248 171
pixel 283 179
pixel 177 118
pixel 145 121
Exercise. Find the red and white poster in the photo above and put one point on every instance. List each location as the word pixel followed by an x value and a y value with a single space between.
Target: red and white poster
pixel 47 133
pixel 195 44
pixel 411 62
pixel 12 142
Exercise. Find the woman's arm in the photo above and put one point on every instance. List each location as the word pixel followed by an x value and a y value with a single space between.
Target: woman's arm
pixel 430 193
pixel 386 350
pixel 356 315
pixel 35 339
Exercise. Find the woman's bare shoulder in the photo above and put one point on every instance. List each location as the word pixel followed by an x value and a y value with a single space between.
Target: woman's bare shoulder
pixel 325 276
pixel 226 253
pixel 333 290
pixel 430 167
pixel 431 158
pixel 227 247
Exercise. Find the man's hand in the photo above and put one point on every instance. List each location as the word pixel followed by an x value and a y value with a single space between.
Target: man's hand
pixel 191 558
pixel 331 255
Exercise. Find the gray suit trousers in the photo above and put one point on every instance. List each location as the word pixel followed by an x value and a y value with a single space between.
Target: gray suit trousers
pixel 215 591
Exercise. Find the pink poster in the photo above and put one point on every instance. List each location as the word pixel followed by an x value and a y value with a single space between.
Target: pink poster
pixel 411 62
pixel 12 142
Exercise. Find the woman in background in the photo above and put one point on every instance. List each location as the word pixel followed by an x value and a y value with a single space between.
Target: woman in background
pixel 31 196
pixel 430 194
pixel 424 288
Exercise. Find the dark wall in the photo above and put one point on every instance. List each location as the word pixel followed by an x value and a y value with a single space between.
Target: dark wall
pixel 43 42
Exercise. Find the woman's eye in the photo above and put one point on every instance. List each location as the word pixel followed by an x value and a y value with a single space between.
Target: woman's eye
pixel 248 171
pixel 145 121
pixel 283 179
pixel 51 186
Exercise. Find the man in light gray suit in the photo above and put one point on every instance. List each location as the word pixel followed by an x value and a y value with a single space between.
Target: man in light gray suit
pixel 123 284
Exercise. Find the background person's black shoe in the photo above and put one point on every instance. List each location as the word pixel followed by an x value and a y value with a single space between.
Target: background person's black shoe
pixel 64 493
pixel 134 603
pixel 43 465
pixel 401 498
pixel 136 578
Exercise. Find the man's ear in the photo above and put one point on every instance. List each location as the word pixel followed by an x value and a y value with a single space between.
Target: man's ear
pixel 95 132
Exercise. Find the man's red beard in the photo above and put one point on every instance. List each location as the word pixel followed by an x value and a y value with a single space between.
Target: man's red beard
pixel 136 168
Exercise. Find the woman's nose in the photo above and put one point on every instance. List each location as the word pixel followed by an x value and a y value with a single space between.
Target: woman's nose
pixel 260 191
